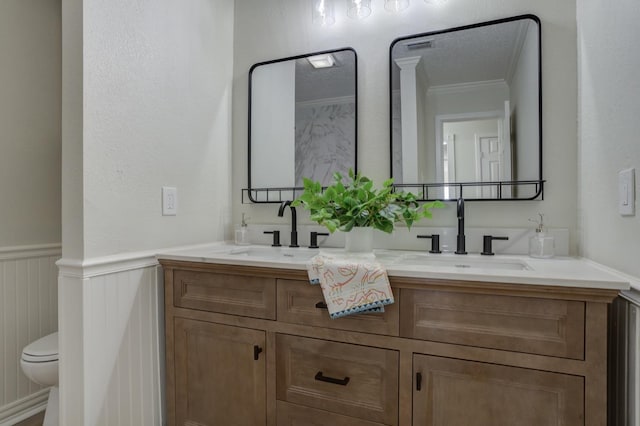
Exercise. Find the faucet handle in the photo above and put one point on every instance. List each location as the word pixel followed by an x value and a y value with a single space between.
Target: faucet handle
pixel 486 244
pixel 276 238
pixel 314 238
pixel 435 242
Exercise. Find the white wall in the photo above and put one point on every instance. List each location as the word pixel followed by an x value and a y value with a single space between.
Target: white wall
pixel 30 224
pixel 274 88
pixel 524 105
pixel 609 104
pixel 268 29
pixel 146 104
pixel 30 90
pixel 157 105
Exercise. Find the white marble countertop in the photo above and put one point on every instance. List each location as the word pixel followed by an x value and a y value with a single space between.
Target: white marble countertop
pixel 558 271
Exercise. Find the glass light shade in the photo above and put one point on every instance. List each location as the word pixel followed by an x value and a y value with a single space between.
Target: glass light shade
pixel 396 5
pixel 435 2
pixel 358 9
pixel 323 13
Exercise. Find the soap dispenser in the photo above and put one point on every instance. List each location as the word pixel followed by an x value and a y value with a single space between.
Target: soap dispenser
pixel 541 244
pixel 242 233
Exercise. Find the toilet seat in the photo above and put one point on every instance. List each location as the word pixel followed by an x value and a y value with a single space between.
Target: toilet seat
pixel 42 350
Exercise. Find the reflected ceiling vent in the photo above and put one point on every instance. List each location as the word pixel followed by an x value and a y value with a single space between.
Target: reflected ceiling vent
pixel 424 44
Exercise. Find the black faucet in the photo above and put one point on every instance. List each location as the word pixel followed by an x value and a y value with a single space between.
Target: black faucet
pixel 314 239
pixel 294 225
pixel 460 249
pixel 486 244
pixel 435 242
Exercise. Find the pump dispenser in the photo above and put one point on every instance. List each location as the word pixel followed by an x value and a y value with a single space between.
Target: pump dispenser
pixel 541 244
pixel 242 233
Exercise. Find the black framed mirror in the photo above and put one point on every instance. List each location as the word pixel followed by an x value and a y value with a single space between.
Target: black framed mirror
pixel 466 111
pixel 302 122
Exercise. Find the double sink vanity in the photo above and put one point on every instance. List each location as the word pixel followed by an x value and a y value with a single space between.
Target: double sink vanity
pixel 503 340
pixel 470 340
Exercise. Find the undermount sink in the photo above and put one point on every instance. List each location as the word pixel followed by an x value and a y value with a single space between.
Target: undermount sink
pixel 274 253
pixel 462 262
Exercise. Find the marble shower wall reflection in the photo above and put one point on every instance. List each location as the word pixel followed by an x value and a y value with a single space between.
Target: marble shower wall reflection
pixel 325 132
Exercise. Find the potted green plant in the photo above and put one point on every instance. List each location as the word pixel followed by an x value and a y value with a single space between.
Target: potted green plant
pixel 357 208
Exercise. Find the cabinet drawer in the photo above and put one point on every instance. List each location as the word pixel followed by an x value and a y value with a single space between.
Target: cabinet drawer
pixel 520 324
pixel 244 295
pixel 297 415
pixel 351 380
pixel 297 302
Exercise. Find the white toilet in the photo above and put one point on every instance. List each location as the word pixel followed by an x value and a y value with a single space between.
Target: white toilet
pixel 39 362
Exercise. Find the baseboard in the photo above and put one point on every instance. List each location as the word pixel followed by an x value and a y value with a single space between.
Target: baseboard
pixel 24 408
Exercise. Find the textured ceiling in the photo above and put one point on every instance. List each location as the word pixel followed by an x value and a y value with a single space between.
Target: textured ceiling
pixel 478 54
pixel 323 83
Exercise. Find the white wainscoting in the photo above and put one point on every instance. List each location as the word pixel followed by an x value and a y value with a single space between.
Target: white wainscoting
pixel 28 311
pixel 111 341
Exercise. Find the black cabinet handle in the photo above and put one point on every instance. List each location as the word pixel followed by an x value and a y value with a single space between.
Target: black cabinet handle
pixel 256 352
pixel 418 381
pixel 321 305
pixel 322 378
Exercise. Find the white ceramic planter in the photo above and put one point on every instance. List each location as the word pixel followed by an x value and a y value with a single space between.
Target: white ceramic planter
pixel 359 240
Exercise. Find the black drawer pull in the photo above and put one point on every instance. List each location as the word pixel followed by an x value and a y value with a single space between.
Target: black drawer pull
pixel 256 352
pixel 418 381
pixel 321 305
pixel 322 378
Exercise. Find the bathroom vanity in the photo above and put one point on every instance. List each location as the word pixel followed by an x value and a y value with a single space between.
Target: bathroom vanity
pixel 249 342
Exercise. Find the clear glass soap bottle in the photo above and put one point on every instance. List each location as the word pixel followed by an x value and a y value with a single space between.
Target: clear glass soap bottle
pixel 541 244
pixel 242 233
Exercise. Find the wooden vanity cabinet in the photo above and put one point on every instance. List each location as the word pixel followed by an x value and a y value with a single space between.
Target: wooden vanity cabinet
pixel 254 346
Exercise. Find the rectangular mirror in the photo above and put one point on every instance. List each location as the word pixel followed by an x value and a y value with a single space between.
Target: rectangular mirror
pixel 302 122
pixel 466 111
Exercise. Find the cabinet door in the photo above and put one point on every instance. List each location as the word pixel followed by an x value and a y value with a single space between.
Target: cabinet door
pixel 450 392
pixel 218 380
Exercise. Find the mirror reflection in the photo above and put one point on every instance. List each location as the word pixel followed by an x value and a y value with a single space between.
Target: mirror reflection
pixel 302 120
pixel 465 108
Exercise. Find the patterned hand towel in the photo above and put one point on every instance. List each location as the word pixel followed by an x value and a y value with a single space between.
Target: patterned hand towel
pixel 351 283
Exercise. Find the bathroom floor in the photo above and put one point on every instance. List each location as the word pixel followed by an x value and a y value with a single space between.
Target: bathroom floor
pixel 33 421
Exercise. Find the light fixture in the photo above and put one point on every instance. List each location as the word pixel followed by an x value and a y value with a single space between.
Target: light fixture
pixel 435 2
pixel 322 13
pixel 358 9
pixel 396 5
pixel 322 61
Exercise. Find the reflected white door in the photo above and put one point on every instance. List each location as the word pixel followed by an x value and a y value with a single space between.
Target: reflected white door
pixel 489 163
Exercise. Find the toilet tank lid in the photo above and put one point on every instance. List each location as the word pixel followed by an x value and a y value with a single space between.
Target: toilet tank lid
pixel 46 346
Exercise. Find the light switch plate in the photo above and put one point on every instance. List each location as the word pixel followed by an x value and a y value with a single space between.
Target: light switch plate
pixel 169 201
pixel 627 192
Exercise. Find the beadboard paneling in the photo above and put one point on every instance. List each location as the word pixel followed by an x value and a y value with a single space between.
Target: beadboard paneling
pixel 111 325
pixel 124 306
pixel 28 311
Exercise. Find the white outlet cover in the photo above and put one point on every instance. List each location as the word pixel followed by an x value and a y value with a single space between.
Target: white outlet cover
pixel 627 192
pixel 169 201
